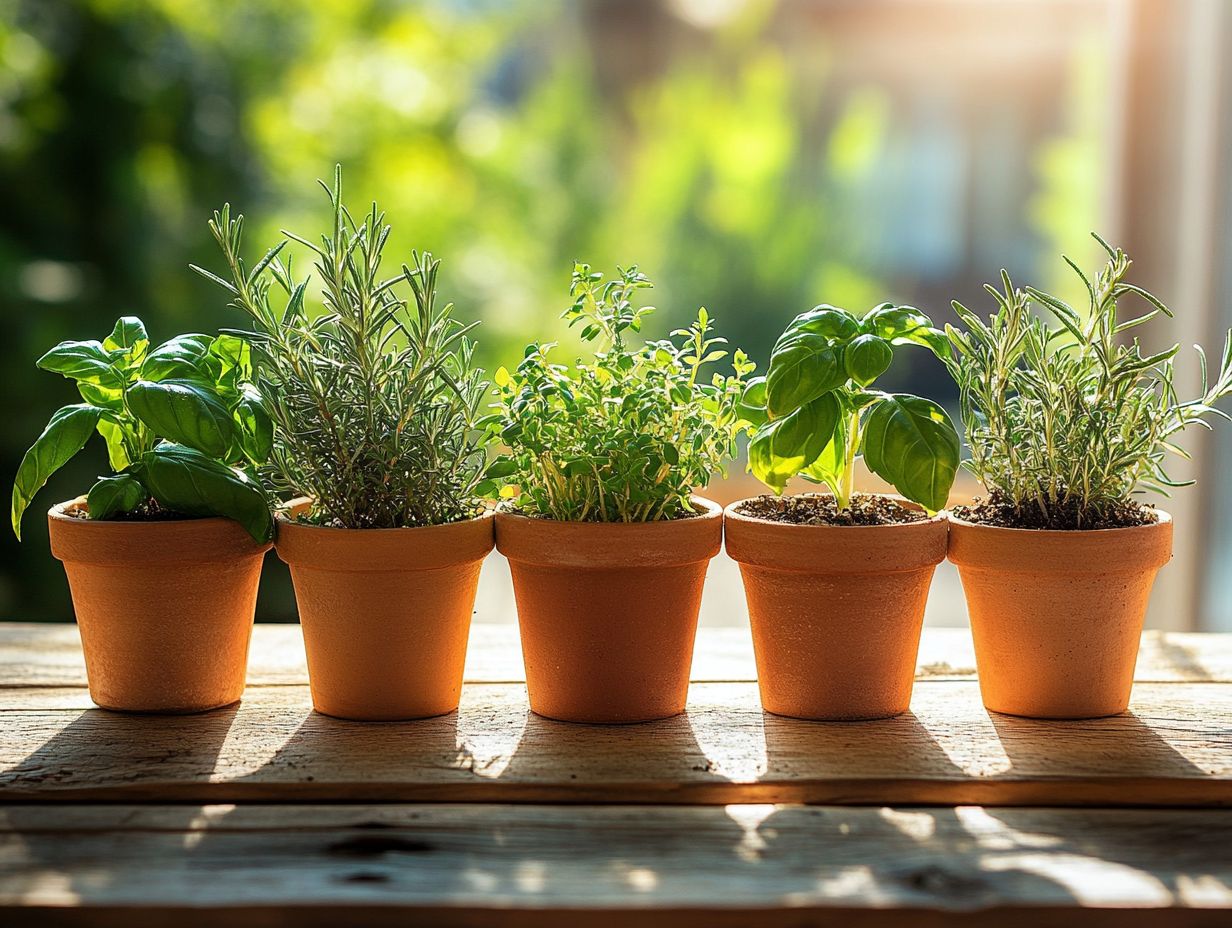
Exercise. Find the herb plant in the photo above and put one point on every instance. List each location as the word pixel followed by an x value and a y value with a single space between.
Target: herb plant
pixel 625 437
pixel 816 411
pixel 375 402
pixel 183 426
pixel 1068 419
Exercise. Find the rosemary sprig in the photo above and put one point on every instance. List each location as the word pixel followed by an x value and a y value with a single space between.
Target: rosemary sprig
pixel 375 403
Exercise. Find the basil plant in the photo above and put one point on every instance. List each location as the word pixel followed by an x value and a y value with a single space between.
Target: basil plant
pixel 816 410
pixel 184 428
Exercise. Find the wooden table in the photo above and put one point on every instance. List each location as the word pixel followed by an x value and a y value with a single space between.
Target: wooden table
pixel 269 814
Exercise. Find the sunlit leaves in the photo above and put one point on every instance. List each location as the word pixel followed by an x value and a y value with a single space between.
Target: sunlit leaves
pixel 64 436
pixel 817 415
pixel 192 391
pixel 627 436
pixel 911 442
pixel 1065 415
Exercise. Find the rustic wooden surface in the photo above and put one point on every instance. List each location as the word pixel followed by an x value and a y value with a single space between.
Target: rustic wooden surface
pixel 552 824
pixel 36 654
pixel 545 866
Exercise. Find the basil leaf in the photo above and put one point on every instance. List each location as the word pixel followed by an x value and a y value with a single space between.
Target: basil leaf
pixel 113 434
pixel 254 431
pixel 911 442
pixel 181 357
pixel 752 405
pixel 111 496
pixel 235 359
pixel 64 436
pixel 834 324
pixel 804 369
pixel 85 361
pixel 906 325
pixel 828 467
pixel 184 411
pixel 184 480
pixel 128 342
pixel 784 447
pixel 866 358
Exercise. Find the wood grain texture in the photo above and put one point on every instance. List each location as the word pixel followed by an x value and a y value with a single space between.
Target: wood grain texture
pixel 766 865
pixel 35 654
pixel 1174 748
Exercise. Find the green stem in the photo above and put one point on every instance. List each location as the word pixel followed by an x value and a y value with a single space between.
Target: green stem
pixel 849 466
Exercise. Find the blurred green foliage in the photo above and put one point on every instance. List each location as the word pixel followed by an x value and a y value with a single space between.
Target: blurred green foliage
pixel 509 138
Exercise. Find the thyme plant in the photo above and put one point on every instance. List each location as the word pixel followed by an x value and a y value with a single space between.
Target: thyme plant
pixel 375 401
pixel 625 437
pixel 1065 415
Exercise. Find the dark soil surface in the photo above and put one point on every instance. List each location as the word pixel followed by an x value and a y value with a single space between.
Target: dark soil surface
pixel 819 509
pixel 1003 514
pixel 149 511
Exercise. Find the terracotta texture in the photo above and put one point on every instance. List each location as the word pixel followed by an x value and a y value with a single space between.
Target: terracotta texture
pixel 1057 616
pixel 836 611
pixel 386 614
pixel 165 609
pixel 608 611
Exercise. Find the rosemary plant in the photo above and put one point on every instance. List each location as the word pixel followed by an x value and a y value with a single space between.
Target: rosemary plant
pixel 1068 419
pixel 627 437
pixel 375 403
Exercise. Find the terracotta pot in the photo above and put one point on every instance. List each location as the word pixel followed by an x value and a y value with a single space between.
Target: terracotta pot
pixel 386 614
pixel 1057 616
pixel 165 609
pixel 836 611
pixel 608 611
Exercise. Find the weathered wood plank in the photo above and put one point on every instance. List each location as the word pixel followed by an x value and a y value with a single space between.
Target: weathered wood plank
pixel 33 654
pixel 1174 748
pixel 475 865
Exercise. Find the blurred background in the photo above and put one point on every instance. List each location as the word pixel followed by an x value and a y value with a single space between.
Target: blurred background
pixel 753 156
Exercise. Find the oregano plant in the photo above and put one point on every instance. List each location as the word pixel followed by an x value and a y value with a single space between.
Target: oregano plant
pixel 628 435
pixel 375 399
pixel 1066 415
pixel 184 428
pixel 816 410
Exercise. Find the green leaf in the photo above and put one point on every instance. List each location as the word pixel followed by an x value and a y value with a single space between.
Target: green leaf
pixel 63 437
pixel 831 323
pixel 181 357
pixel 911 442
pixel 783 448
pixel 113 434
pixel 85 361
pixel 802 370
pixel 128 342
pixel 905 325
pixel 829 466
pixel 254 429
pixel 184 480
pixel 752 405
pixel 866 358
pixel 235 359
pixel 111 496
pixel 501 467
pixel 184 411
pixel 111 398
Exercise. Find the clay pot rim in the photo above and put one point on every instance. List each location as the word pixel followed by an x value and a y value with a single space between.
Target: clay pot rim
pixel 302 502
pixel 1162 518
pixel 836 549
pixel 1074 552
pixel 160 541
pixel 612 545
pixel 730 513
pixel 375 550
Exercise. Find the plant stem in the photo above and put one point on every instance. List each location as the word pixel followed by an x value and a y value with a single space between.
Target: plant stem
pixel 849 466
